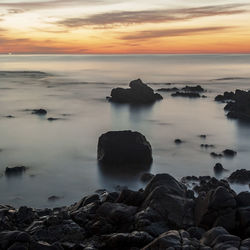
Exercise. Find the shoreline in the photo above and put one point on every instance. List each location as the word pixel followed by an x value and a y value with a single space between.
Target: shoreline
pixel 165 212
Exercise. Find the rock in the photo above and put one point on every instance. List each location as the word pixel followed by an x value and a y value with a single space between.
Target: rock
pixel 218 168
pixel 146 177
pixel 243 199
pixel 174 89
pixel 53 198
pixel 169 199
pixel 39 112
pixel 10 116
pixel 216 155
pixel 241 176
pixel 51 119
pixel 178 141
pixel 127 240
pixel 196 232
pixel 138 93
pixel 130 198
pixel 186 94
pixel 218 238
pixel 197 88
pixel 174 240
pixel 207 146
pixel 229 153
pixel 216 208
pixel 124 147
pixel 203 136
pixel 239 107
pixel 18 170
pixel 225 97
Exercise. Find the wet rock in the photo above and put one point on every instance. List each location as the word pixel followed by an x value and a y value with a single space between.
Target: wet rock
pixel 169 199
pixel 18 170
pixel 197 88
pixel 229 153
pixel 178 141
pixel 216 208
pixel 130 198
pixel 138 93
pixel 243 199
pixel 196 232
pixel 124 147
pixel 146 177
pixel 54 198
pixel 174 240
pixel 218 168
pixel 216 155
pixel 127 240
pixel 174 89
pixel 241 176
pixel 39 112
pixel 227 96
pixel 186 94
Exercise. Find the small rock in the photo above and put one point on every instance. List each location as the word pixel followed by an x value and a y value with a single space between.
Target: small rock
pixel 229 153
pixel 215 155
pixel 218 168
pixel 186 94
pixel 54 198
pixel 18 170
pixel 203 136
pixel 39 112
pixel 178 141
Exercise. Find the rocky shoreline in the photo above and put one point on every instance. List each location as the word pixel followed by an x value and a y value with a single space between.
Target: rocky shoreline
pixel 167 214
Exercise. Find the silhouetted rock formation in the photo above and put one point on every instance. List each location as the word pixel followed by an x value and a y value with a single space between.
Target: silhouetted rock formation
pixel 138 93
pixel 18 170
pixel 186 94
pixel 238 105
pixel 39 112
pixel 124 147
pixel 165 215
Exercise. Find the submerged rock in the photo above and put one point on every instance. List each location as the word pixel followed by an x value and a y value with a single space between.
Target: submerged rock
pixel 138 93
pixel 39 112
pixel 18 170
pixel 178 141
pixel 218 168
pixel 124 147
pixel 229 153
pixel 174 89
pixel 186 94
pixel 197 88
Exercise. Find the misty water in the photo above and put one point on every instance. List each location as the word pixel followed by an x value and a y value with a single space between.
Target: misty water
pixel 61 155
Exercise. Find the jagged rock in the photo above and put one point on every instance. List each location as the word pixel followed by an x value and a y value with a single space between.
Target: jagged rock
pixel 124 147
pixel 240 176
pixel 138 93
pixel 216 208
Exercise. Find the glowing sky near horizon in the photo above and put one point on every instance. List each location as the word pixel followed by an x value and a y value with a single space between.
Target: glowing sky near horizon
pixel 118 26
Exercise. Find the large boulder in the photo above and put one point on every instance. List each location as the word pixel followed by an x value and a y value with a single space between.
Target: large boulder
pixel 241 176
pixel 216 208
pixel 124 147
pixel 167 204
pixel 138 93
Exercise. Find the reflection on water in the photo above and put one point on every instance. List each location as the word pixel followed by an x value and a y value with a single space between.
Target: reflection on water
pixel 61 155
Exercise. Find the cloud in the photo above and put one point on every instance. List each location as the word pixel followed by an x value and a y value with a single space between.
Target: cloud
pixel 152 16
pixel 143 35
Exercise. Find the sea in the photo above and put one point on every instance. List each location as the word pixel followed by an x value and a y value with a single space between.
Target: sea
pixel 61 155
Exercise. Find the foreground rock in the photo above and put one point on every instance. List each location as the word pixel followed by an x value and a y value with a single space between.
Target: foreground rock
pixel 165 215
pixel 238 106
pixel 241 176
pixel 124 147
pixel 138 93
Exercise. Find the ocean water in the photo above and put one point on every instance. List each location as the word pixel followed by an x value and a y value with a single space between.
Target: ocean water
pixel 61 155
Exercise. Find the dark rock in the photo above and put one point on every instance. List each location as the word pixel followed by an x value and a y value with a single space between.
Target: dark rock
pixel 137 93
pixel 216 155
pixel 197 88
pixel 218 168
pixel 186 94
pixel 54 198
pixel 219 238
pixel 216 208
pixel 207 146
pixel 243 199
pixel 127 240
pixel 39 112
pixel 51 119
pixel 130 198
pixel 124 147
pixel 18 170
pixel 225 97
pixel 178 141
pixel 229 153
pixel 196 232
pixel 10 116
pixel 203 136
pixel 146 177
pixel 174 89
pixel 240 176
pixel 174 240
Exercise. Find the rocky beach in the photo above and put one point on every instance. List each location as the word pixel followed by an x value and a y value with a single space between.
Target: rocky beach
pixel 130 165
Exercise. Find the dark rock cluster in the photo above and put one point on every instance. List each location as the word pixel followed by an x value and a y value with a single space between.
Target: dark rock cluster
pixel 165 215
pixel 238 106
pixel 138 93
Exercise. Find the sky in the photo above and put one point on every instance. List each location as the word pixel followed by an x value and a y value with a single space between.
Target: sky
pixel 124 27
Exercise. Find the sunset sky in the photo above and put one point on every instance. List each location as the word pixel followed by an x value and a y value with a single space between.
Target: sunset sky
pixel 119 26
